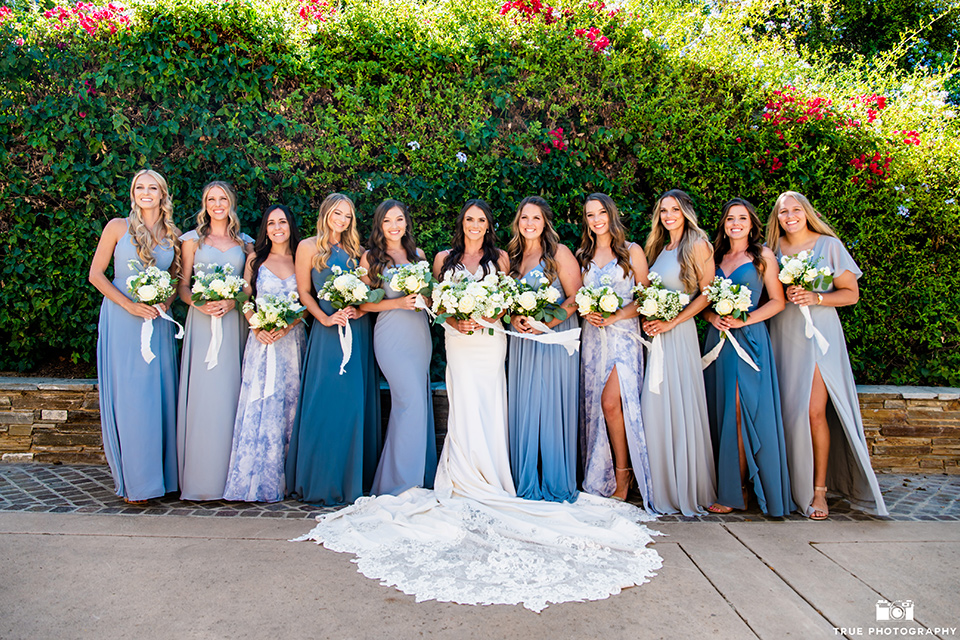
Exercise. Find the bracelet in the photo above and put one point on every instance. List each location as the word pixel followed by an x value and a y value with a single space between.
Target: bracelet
pixel 819 298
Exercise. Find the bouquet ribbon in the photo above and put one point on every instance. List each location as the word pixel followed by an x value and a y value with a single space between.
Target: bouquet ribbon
pixel 216 338
pixel 812 332
pixel 654 369
pixel 714 353
pixel 346 344
pixel 146 333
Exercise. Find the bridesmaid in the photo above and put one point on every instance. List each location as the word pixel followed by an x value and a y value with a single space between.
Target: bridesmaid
pixel 137 399
pixel 336 434
pixel 542 379
pixel 207 407
pixel 261 433
pixel 821 412
pixel 743 404
pixel 675 415
pixel 402 345
pixel 612 359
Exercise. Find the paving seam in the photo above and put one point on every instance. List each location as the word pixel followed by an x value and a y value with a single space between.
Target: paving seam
pixel 124 535
pixel 720 593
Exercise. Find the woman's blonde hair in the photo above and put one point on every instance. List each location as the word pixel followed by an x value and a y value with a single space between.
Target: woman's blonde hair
pixel 549 239
pixel 164 233
pixel 203 217
pixel 349 239
pixel 659 238
pixel 815 220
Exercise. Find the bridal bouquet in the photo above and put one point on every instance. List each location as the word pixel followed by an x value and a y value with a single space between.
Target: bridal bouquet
pixel 801 270
pixel 212 282
pixel 602 299
pixel 728 300
pixel 413 278
pixel 274 312
pixel 538 302
pixel 345 289
pixel 658 302
pixel 462 297
pixel 152 286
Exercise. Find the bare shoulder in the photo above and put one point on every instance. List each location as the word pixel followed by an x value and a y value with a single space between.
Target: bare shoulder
pixel 702 250
pixel 767 254
pixel 307 246
pixel 421 254
pixel 115 228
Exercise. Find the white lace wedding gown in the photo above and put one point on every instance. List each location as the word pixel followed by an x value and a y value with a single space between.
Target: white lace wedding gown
pixel 471 540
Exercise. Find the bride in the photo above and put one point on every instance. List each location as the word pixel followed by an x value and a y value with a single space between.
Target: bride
pixel 471 540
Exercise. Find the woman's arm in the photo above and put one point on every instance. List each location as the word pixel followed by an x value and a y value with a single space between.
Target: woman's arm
pixel 98 268
pixel 306 250
pixel 703 254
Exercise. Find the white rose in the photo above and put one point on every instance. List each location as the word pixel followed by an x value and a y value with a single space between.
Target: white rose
pixel 147 292
pixel 662 295
pixel 649 307
pixel 413 283
pixel 360 291
pixel 810 275
pixel 684 299
pixel 467 304
pixel 826 271
pixel 785 277
pixel 255 322
pixel 742 305
pixel 343 283
pixel 527 301
pixel 552 295
pixel 609 303
pixel 272 318
pixel 724 307
pixel 197 287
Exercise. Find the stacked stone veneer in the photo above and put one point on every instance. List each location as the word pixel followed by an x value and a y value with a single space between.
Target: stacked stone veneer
pixel 909 429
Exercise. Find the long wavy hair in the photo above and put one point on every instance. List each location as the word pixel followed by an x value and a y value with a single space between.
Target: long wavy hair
pixel 164 232
pixel 618 235
pixel 263 244
pixel 458 242
pixel 815 220
pixel 721 242
pixel 377 254
pixel 349 239
pixel 549 239
pixel 203 216
pixel 659 238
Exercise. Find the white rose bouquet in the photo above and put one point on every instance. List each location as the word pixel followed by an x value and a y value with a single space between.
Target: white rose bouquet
pixel 603 299
pixel 152 286
pixel 460 296
pixel 213 282
pixel 658 302
pixel 413 278
pixel 539 302
pixel 728 300
pixel 346 289
pixel 274 312
pixel 801 270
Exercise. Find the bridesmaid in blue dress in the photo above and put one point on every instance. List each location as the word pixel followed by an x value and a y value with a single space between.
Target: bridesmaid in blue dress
pixel 743 404
pixel 261 433
pixel 138 400
pixel 401 342
pixel 612 359
pixel 207 407
pixel 675 412
pixel 336 436
pixel 543 383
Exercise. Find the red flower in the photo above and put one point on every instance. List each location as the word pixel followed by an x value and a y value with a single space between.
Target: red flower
pixel 82 114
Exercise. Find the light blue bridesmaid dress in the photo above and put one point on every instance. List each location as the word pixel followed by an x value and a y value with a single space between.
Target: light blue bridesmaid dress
pixel 336 436
pixel 760 419
pixel 401 341
pixel 207 409
pixel 261 433
pixel 138 401
pixel 543 389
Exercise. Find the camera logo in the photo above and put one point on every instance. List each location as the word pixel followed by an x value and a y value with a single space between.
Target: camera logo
pixel 895 610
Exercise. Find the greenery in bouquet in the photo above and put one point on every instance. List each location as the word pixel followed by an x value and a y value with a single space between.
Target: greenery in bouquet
pixel 729 299
pixel 603 299
pixel 801 270
pixel 273 312
pixel 657 302
pixel 540 301
pixel 413 278
pixel 151 285
pixel 346 289
pixel 213 282
pixel 461 296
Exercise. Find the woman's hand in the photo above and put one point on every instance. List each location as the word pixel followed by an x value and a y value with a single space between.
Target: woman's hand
pixel 339 317
pixel 655 327
pixel 521 324
pixel 802 297
pixel 468 326
pixel 264 337
pixel 729 322
pixel 142 310
pixel 596 319
pixel 216 308
pixel 407 303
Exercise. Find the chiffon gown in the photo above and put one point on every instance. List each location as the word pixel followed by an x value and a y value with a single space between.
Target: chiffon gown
pixel 601 350
pixel 138 401
pixel 207 408
pixel 675 419
pixel 336 434
pixel 471 540
pixel 849 472
pixel 261 433
pixel 543 391
pixel 401 342
pixel 760 418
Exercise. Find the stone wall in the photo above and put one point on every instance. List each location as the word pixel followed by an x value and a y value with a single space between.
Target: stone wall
pixel 909 430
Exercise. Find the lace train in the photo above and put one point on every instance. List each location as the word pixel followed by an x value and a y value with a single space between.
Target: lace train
pixel 502 550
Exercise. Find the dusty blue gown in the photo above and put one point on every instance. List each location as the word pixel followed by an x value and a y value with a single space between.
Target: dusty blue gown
pixel 262 431
pixel 543 402
pixel 401 341
pixel 336 436
pixel 761 422
pixel 207 407
pixel 138 401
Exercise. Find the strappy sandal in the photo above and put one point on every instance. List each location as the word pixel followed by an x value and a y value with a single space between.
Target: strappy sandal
pixel 720 509
pixel 824 513
pixel 629 481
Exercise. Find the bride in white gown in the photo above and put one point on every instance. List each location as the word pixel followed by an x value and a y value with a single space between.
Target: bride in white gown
pixel 471 540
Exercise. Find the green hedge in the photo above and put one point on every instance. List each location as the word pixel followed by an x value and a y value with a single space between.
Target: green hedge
pixel 433 103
